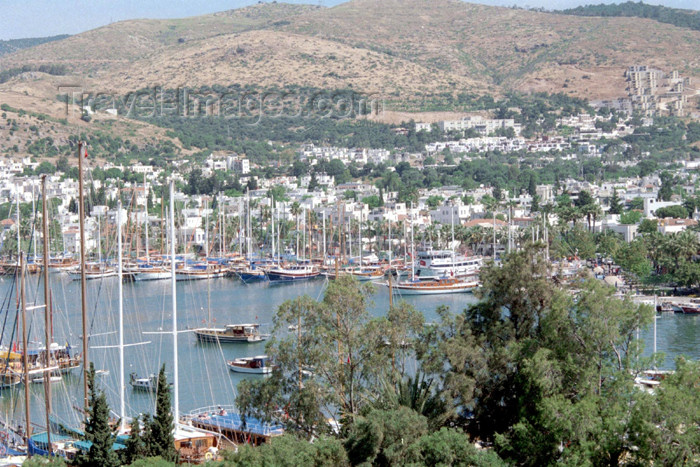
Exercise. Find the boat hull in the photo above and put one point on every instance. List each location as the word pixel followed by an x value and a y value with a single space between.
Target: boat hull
pixel 289 277
pixel 426 289
pixel 253 371
pixel 210 337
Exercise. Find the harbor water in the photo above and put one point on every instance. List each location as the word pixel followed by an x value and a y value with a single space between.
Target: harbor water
pixel 204 379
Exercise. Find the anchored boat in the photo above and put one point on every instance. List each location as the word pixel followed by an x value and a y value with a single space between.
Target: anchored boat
pixel 231 333
pixel 256 365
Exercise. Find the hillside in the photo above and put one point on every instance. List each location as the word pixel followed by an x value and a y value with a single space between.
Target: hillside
pixel 126 42
pixel 508 48
pixel 681 18
pixel 13 45
pixel 414 53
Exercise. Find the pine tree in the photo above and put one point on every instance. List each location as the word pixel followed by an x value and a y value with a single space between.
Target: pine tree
pixel 138 443
pixel 161 427
pixel 97 430
pixel 615 205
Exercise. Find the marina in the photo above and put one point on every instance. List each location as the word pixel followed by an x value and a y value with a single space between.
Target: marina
pixel 208 381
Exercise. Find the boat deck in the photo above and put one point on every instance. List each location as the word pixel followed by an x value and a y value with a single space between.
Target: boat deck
pixel 233 427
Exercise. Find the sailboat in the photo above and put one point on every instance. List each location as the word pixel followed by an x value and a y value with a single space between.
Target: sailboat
pixel 446 285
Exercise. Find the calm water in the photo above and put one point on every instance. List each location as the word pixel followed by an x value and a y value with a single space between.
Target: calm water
pixel 204 378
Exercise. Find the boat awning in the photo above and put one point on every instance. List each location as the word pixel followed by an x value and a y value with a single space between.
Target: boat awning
pixel 86 445
pixel 233 421
pixel 42 438
pixel 5 354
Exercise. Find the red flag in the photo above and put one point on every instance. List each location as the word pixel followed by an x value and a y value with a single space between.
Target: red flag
pixel 86 154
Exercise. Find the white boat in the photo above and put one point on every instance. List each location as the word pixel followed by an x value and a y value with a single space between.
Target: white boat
pixel 434 287
pixel 94 271
pixel 52 379
pixel 148 272
pixel 255 365
pixel 149 384
pixel 200 272
pixel 649 380
pixel 231 333
pixel 440 264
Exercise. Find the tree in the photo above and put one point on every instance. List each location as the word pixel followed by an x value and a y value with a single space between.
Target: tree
pixel 97 430
pixel 313 183
pixel 434 201
pixel 343 345
pixel 139 443
pixel 676 212
pixel 383 437
pixel 632 257
pixel 666 190
pixel 161 426
pixel 647 226
pixel 615 204
pixel 636 204
pixel 630 217
pixel 289 450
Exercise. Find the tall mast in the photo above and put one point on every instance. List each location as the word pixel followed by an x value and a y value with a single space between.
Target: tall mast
pixel 162 226
pixel 272 220
pixel 248 233
pixel 33 223
pixel 83 285
pixel 99 240
pixel 206 229
pixel 176 386
pixel 413 248
pixel 359 235
pixel 145 212
pixel 25 355
pixel 324 237
pixel 222 228
pixel 391 246
pixel 47 314
pixel 120 274
pixel 19 244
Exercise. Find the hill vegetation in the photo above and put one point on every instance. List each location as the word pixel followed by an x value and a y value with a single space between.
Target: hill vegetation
pixel 682 18
pixel 13 45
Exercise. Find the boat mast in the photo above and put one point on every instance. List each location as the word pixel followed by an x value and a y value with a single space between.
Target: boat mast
pixel 19 248
pixel 391 245
pixel 162 227
pixel 222 227
pixel 206 230
pixel 33 223
pixel 145 212
pixel 47 314
pixel 120 278
pixel 83 285
pixel 324 237
pixel 176 388
pixel 272 220
pixel 249 242
pixel 359 236
pixel 413 249
pixel 25 355
pixel 452 245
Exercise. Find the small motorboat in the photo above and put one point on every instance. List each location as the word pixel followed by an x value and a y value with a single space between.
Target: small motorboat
pixel 259 365
pixel 149 384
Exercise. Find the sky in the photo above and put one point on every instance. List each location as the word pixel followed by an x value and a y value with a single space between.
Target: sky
pixel 40 18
